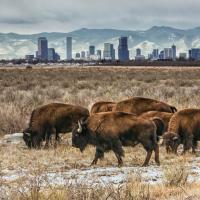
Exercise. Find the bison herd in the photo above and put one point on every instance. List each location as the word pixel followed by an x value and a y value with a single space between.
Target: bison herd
pixel 112 125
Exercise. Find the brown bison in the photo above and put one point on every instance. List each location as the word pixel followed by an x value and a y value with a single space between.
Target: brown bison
pixel 139 105
pixel 165 116
pixel 52 119
pixel 112 130
pixel 102 106
pixel 184 128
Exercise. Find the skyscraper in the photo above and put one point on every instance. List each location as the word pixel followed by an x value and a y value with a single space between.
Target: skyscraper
pixel 194 54
pixel 92 50
pixel 69 48
pixel 173 52
pixel 109 52
pixel 51 54
pixel 138 52
pixel 82 54
pixel 42 48
pixel 155 54
pixel 168 53
pixel 99 54
pixel 123 52
pixel 139 56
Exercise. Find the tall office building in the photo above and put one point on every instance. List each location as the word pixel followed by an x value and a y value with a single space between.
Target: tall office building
pixel 138 52
pixel 51 54
pixel 69 48
pixel 82 54
pixel 78 55
pixel 42 53
pixel 155 54
pixel 123 52
pixel 168 53
pixel 173 52
pixel 109 52
pixel 161 55
pixel 92 50
pixel 99 54
pixel 194 54
pixel 182 56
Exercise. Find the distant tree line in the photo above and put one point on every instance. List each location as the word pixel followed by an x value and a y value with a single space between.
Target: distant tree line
pixel 178 62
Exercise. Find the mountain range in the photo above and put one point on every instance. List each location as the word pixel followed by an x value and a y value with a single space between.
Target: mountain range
pixel 14 45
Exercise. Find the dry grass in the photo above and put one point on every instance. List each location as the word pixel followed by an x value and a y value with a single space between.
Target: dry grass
pixel 22 90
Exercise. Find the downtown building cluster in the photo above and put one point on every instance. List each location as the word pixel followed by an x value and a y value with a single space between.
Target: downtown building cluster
pixel 49 54
pixel 109 53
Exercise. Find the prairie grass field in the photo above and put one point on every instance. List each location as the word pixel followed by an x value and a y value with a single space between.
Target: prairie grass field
pixel 33 174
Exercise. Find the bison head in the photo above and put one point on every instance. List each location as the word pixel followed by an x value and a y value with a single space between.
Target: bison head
pixel 27 138
pixel 79 135
pixel 172 141
pixel 31 140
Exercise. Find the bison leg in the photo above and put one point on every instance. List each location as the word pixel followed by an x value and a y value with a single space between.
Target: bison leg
pixel 119 152
pixel 146 162
pixel 194 145
pixel 99 154
pixel 48 138
pixel 187 144
pixel 156 150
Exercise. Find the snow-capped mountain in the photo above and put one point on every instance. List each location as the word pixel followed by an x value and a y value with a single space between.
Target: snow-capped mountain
pixel 16 46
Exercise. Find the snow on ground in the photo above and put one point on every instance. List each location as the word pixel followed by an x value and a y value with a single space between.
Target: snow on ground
pixel 96 175
pixel 14 138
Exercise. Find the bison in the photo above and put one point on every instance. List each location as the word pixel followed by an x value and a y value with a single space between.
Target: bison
pixel 112 130
pixel 184 128
pixel 165 116
pixel 102 106
pixel 52 119
pixel 139 105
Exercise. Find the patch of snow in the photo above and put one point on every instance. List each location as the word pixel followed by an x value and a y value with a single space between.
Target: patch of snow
pixel 14 138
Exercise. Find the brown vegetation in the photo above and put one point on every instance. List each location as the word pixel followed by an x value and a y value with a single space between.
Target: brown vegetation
pixel 23 90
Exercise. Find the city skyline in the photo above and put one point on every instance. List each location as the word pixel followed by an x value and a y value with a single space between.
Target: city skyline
pixel 17 45
pixel 168 53
pixel 38 16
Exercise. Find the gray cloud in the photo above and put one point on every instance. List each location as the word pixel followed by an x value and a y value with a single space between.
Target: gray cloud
pixel 61 15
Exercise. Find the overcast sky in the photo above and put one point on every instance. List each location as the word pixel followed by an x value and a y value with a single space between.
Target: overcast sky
pixel 32 16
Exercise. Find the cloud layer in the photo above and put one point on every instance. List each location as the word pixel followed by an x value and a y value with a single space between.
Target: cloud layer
pixel 27 16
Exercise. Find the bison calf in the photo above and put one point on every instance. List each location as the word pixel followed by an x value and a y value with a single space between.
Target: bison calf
pixel 184 128
pixel 52 119
pixel 112 130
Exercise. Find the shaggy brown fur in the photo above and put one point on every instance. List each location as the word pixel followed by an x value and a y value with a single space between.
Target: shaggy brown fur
pixel 112 130
pixel 139 105
pixel 102 106
pixel 165 116
pixel 184 128
pixel 52 119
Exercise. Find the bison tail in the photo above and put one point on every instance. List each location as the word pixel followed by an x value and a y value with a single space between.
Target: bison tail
pixel 174 109
pixel 160 126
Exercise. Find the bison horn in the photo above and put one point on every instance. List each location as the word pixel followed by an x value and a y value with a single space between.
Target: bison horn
pixel 175 138
pixel 79 127
pixel 28 134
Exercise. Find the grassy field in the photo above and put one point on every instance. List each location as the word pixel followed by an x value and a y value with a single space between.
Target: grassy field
pixel 22 90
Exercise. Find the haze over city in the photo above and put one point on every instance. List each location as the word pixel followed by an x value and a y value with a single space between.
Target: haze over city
pixel 24 16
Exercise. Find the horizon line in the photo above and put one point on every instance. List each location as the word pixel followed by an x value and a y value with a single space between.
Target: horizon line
pixel 114 29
